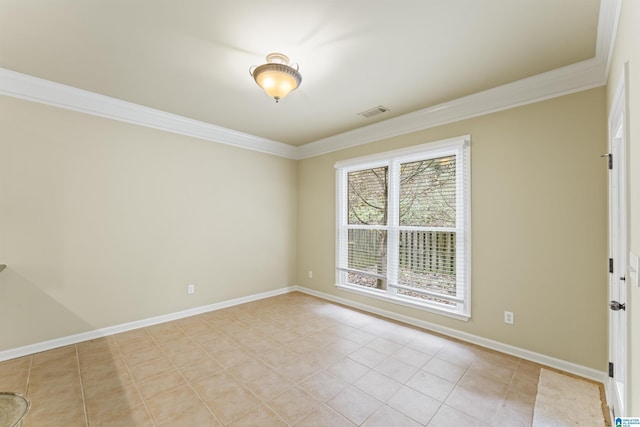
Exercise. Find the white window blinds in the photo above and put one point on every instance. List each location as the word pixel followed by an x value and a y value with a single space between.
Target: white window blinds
pixel 403 226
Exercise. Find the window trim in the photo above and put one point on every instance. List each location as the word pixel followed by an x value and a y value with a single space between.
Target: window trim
pixel 461 147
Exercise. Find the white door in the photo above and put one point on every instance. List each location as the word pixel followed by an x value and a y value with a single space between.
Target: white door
pixel 618 251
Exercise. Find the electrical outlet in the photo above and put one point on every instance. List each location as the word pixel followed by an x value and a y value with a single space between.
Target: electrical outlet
pixel 310 274
pixel 508 317
pixel 191 289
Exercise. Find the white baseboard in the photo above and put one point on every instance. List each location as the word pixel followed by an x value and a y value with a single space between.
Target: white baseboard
pixel 582 371
pixel 552 362
pixel 111 330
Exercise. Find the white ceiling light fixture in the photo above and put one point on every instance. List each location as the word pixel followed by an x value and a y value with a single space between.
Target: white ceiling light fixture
pixel 277 77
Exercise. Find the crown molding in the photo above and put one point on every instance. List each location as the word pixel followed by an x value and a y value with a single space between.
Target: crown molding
pixel 563 81
pixel 43 91
pixel 573 78
pixel 607 29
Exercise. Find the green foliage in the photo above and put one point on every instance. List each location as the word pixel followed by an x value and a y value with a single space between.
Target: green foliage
pixel 368 190
pixel 427 199
pixel 427 194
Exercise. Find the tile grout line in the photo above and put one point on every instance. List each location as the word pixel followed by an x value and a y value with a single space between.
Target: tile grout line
pixel 369 369
pixel 298 383
pixel 164 355
pixel 273 368
pixel 181 374
pixel 26 390
pixel 372 369
pixel 506 392
pixel 326 369
pixel 457 383
pixel 135 383
pixel 84 401
pixel 341 345
pixel 26 387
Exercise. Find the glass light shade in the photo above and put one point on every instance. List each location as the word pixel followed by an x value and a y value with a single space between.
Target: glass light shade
pixel 277 78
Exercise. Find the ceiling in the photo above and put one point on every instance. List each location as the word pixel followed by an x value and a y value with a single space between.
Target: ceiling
pixel 192 57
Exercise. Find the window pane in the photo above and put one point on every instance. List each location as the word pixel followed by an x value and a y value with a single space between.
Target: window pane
pixel 427 260
pixel 368 196
pixel 402 227
pixel 428 193
pixel 368 254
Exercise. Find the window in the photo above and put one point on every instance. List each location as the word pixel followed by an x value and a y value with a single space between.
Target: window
pixel 403 226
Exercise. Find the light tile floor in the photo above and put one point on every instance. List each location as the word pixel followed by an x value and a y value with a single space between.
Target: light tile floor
pixel 291 360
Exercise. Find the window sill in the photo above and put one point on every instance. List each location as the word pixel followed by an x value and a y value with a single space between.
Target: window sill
pixel 381 295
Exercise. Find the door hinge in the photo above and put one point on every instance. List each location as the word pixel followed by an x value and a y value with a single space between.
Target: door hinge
pixel 610 161
pixel 610 265
pixel 610 369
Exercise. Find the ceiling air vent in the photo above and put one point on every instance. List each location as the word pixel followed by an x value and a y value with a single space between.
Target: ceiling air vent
pixel 374 111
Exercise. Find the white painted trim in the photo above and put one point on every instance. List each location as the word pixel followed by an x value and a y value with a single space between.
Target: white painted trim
pixel 562 81
pixel 574 78
pixel 34 89
pixel 570 79
pixel 435 148
pixel 380 295
pixel 618 205
pixel 608 18
pixel 111 330
pixel 459 147
pixel 542 359
pixel 577 77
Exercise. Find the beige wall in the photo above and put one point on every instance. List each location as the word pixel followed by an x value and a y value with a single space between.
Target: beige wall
pixel 627 49
pixel 103 223
pixel 539 230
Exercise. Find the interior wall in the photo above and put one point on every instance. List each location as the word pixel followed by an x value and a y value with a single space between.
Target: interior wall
pixel 539 224
pixel 627 49
pixel 103 223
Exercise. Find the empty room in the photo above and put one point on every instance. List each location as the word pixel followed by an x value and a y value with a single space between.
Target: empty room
pixel 318 213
